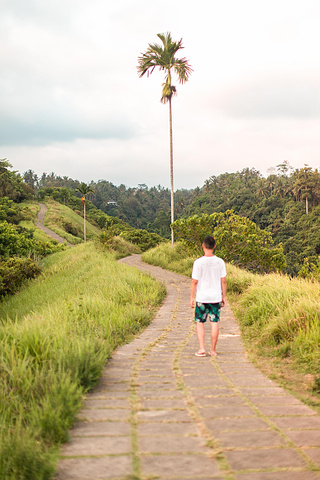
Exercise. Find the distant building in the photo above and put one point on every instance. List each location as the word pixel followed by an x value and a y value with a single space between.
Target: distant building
pixel 113 203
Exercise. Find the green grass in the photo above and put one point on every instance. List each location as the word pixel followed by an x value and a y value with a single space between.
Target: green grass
pixel 174 258
pixel 56 217
pixel 56 336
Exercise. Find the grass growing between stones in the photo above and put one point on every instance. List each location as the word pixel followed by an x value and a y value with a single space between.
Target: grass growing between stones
pixel 279 319
pixel 56 336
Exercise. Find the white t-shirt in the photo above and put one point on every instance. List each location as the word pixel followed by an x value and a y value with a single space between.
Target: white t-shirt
pixel 209 271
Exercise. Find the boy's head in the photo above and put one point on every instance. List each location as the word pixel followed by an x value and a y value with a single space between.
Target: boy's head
pixel 209 242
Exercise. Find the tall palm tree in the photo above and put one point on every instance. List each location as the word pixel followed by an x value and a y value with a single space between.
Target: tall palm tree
pixel 163 57
pixel 84 189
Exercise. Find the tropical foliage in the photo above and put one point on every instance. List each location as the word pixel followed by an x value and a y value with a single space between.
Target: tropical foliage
pixel 239 240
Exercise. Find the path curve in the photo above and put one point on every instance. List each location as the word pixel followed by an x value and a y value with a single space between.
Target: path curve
pixel 40 224
pixel 160 412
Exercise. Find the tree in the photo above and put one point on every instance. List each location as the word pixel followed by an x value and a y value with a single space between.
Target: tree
pixel 84 189
pixel 239 240
pixel 163 57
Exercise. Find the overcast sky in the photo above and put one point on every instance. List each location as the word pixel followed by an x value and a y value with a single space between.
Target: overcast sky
pixel 71 101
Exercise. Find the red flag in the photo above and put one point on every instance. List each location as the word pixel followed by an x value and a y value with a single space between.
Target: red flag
pixel 83 200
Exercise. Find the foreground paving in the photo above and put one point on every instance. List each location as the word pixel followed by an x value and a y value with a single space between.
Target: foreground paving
pixel 159 412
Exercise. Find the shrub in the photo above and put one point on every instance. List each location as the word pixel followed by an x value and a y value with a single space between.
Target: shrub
pixel 70 228
pixel 14 272
pixel 142 238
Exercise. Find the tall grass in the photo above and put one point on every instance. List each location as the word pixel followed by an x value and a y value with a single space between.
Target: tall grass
pixel 56 336
pixel 56 217
pixel 175 258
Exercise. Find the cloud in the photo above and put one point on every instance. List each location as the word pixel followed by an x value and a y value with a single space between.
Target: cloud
pixel 270 98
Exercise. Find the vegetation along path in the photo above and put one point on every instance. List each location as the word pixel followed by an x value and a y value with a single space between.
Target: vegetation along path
pixel 40 224
pixel 159 412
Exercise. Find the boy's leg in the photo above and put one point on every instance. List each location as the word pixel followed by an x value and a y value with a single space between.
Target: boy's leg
pixel 214 336
pixel 200 335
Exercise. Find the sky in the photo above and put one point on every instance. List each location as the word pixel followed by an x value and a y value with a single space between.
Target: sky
pixel 72 102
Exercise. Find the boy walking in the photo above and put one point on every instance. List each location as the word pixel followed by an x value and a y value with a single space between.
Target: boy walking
pixel 209 283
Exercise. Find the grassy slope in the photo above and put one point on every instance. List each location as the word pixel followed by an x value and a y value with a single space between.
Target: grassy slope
pixel 56 336
pixel 279 319
pixel 56 217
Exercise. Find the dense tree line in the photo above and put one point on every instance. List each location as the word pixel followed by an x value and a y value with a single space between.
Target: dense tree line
pixel 140 207
pixel 286 203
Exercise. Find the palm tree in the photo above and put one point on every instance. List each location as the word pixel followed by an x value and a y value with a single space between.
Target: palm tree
pixel 84 189
pixel 163 57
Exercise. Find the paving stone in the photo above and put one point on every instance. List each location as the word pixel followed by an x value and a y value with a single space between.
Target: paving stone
pixel 97 446
pixel 186 466
pixel 314 454
pixel 106 468
pixel 203 382
pixel 158 395
pixel 223 400
pixel 249 380
pixel 301 475
pixel 275 400
pixel 226 411
pixel 262 390
pixel 98 395
pixel 278 410
pixel 172 444
pixel 297 423
pixel 164 403
pixel 163 429
pixel 237 424
pixel 99 403
pixel 164 416
pixel 309 438
pixel 259 459
pixel 97 429
pixel 152 388
pixel 104 414
pixel 252 439
pixel 212 392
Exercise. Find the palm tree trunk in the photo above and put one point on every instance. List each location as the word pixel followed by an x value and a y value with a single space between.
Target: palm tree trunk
pixel 171 170
pixel 84 222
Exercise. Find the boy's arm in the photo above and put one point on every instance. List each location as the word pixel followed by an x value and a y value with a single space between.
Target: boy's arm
pixel 194 283
pixel 224 291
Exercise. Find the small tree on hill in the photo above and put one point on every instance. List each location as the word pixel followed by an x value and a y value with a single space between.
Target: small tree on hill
pixel 84 189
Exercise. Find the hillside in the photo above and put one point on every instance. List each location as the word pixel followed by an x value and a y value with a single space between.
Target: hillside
pixel 56 336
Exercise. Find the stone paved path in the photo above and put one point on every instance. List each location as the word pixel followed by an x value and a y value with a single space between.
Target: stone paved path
pixel 159 412
pixel 39 224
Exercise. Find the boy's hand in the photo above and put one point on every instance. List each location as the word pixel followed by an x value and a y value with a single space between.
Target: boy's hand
pixel 191 302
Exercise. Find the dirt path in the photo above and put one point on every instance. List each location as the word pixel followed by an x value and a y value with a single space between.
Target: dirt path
pixel 40 224
pixel 159 412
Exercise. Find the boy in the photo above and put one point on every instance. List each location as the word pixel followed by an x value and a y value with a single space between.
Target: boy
pixel 209 281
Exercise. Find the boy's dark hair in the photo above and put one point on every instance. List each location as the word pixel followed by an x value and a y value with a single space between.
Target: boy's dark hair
pixel 209 242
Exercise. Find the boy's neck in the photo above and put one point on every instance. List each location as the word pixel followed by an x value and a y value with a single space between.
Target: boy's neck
pixel 208 253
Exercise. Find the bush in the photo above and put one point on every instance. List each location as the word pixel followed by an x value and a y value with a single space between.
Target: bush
pixel 70 228
pixel 142 238
pixel 120 246
pixel 16 240
pixel 14 272
pixel 239 240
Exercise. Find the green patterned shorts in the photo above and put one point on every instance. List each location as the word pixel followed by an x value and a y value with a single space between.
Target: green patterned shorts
pixel 207 310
